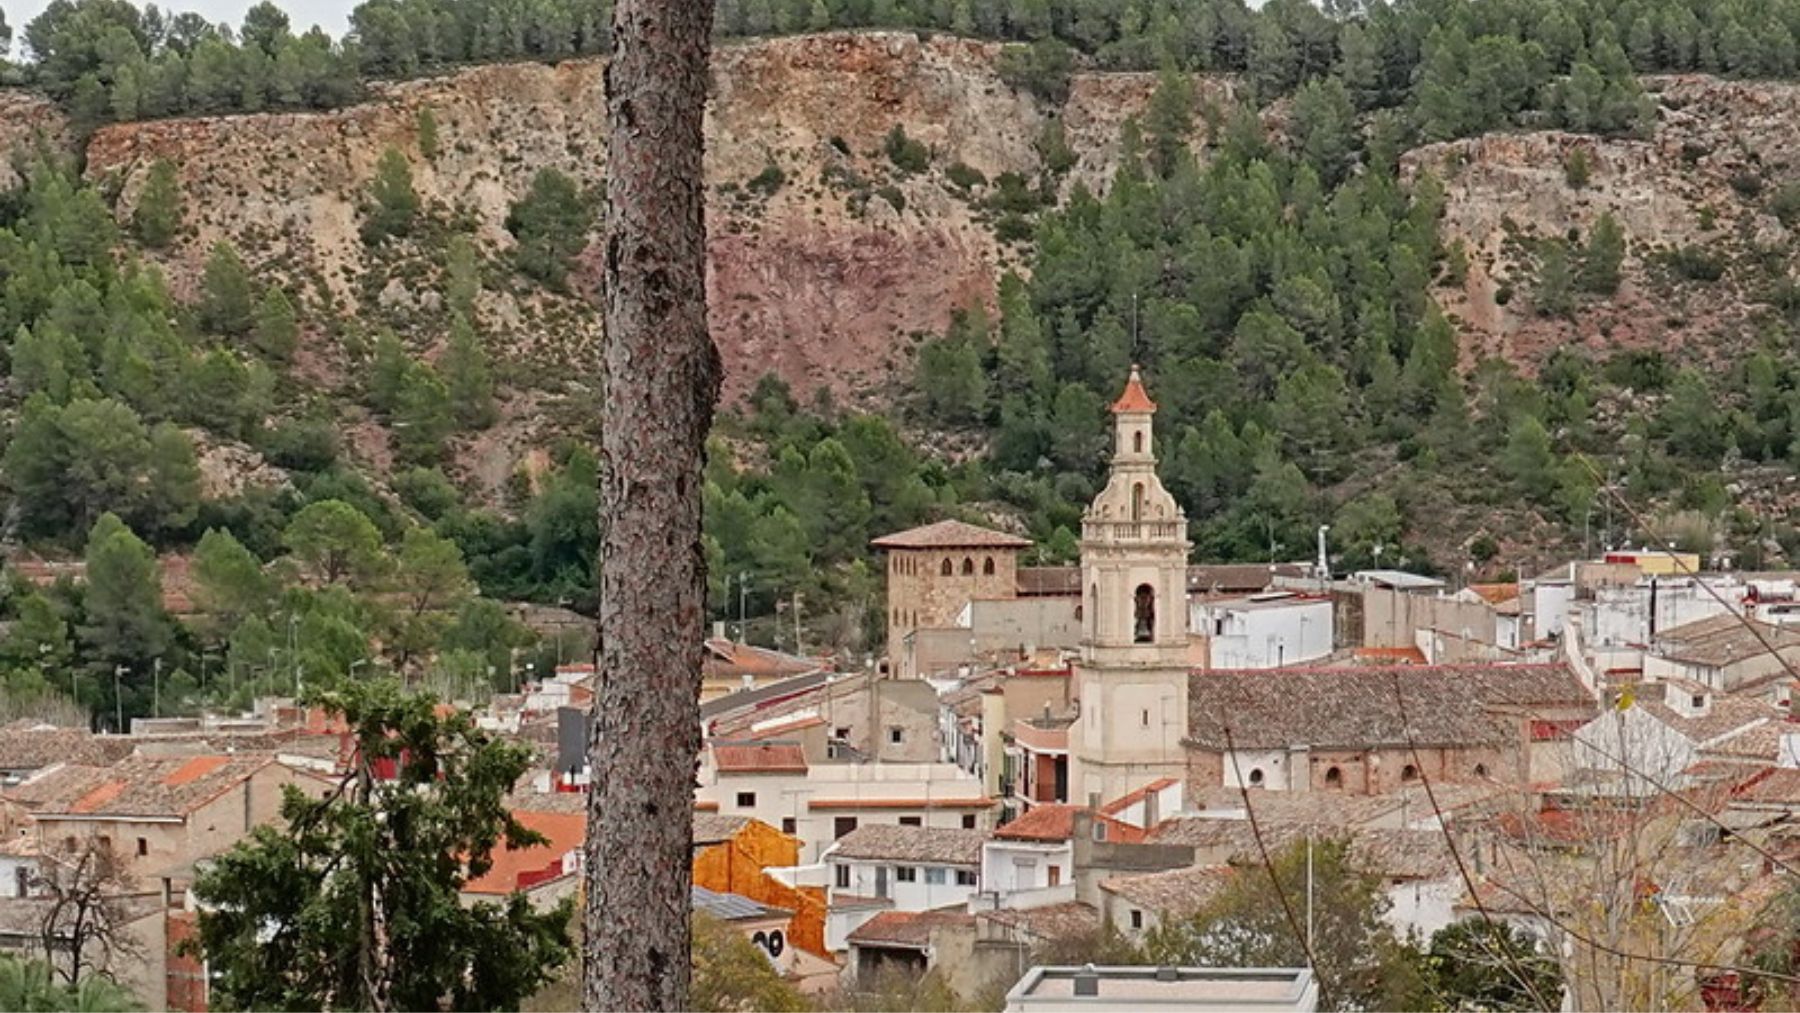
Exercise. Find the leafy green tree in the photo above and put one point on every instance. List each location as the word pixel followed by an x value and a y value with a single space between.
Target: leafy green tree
pixel 1604 254
pixel 1691 419
pixel 426 123
pixel 462 275
pixel 52 361
pixel 730 973
pixel 422 419
pixel 1324 128
pixel 123 622
pixel 227 298
pixel 229 582
pixel 354 903
pixel 1554 295
pixel 551 223
pixel 389 368
pixel 1043 68
pixel 158 214
pixel 1168 120
pixel 1480 964
pixel 431 579
pixel 277 330
pixel 466 376
pixel 907 155
pixel 39 637
pixel 335 542
pixel 31 984
pixel 393 203
pixel 1246 926
pixel 1528 461
pixel 951 377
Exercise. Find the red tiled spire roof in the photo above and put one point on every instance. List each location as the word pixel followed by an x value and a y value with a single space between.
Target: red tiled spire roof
pixel 1134 399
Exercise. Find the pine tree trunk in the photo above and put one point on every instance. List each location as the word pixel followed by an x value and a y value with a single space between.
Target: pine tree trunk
pixel 662 378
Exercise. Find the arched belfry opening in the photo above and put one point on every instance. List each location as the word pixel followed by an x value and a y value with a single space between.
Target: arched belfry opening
pixel 1144 615
pixel 1137 501
pixel 1137 442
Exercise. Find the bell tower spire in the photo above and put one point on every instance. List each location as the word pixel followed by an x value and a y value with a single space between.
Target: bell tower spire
pixel 1132 678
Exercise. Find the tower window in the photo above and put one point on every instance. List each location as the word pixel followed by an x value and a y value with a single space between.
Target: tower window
pixel 1145 628
pixel 1409 773
pixel 987 566
pixel 1256 778
pixel 968 566
pixel 1481 770
pixel 1137 442
pixel 947 569
pixel 1334 778
pixel 1137 501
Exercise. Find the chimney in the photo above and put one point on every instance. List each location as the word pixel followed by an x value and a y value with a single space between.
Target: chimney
pixel 1152 808
pixel 718 629
pixel 1789 757
pixel 1087 982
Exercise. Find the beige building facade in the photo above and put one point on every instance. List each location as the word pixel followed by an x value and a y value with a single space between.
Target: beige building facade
pixel 935 571
pixel 1131 681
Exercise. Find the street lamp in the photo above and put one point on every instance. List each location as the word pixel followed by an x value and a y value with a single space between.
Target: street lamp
pixel 118 705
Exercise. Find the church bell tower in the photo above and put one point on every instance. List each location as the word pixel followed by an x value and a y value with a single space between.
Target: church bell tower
pixel 1132 679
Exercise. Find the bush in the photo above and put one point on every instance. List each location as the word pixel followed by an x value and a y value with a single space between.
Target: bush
pixel 1576 169
pixel 1785 204
pixel 1696 263
pixel 767 181
pixel 309 444
pixel 1747 184
pixel 908 155
pixel 893 196
pixel 964 177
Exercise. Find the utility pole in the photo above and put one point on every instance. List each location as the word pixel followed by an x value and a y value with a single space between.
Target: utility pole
pixel 799 645
pixel 118 704
pixel 743 582
pixel 293 654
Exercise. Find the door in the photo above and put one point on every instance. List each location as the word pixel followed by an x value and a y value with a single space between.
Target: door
pixel 881 881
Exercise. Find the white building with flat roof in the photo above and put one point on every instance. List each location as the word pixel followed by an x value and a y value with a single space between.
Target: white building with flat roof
pixel 1268 630
pixel 1124 989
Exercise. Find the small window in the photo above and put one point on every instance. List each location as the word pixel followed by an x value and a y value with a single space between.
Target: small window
pixel 896 735
pixel 987 566
pixel 1481 770
pixel 1409 773
pixel 1256 778
pixel 965 878
pixel 906 874
pixel 968 566
pixel 1137 442
pixel 1146 719
pixel 934 876
pixel 1699 702
pixel 968 822
pixel 1137 501
pixel 842 825
pixel 789 825
pixel 1334 778
pixel 840 733
pixel 947 569
pixel 70 843
pixel 143 846
pixel 911 821
pixel 1137 918
pixel 1055 874
pixel 842 876
pixel 1099 831
pixel 746 800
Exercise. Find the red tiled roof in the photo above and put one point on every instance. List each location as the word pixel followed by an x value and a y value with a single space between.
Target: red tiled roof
pixel 1134 399
pixel 565 832
pixel 900 803
pixel 1040 740
pixel 906 928
pixel 195 769
pixel 1391 655
pixel 1126 801
pixel 951 535
pixel 760 758
pixel 1494 594
pixel 1055 821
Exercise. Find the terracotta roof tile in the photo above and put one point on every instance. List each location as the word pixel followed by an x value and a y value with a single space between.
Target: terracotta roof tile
pixel 566 832
pixel 1776 787
pixel 1053 821
pixel 148 786
pixel 910 929
pixel 759 758
pixel 28 747
pixel 1068 920
pixel 921 845
pixel 1176 893
pixel 951 535
pixel 1355 707
pixel 1134 398
pixel 1494 594
pixel 711 828
pixel 1129 799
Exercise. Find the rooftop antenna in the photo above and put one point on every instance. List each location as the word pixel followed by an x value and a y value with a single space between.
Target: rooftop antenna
pixel 1135 350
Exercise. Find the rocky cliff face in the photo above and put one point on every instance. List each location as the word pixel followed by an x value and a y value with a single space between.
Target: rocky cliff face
pixel 825 280
pixel 1705 181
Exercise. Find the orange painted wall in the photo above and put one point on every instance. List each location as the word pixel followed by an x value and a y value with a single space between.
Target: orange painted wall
pixel 736 866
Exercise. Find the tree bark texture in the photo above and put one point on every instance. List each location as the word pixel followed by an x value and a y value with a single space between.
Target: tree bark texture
pixel 661 381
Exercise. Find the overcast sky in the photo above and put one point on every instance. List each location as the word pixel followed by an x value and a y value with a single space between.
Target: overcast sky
pixel 332 15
